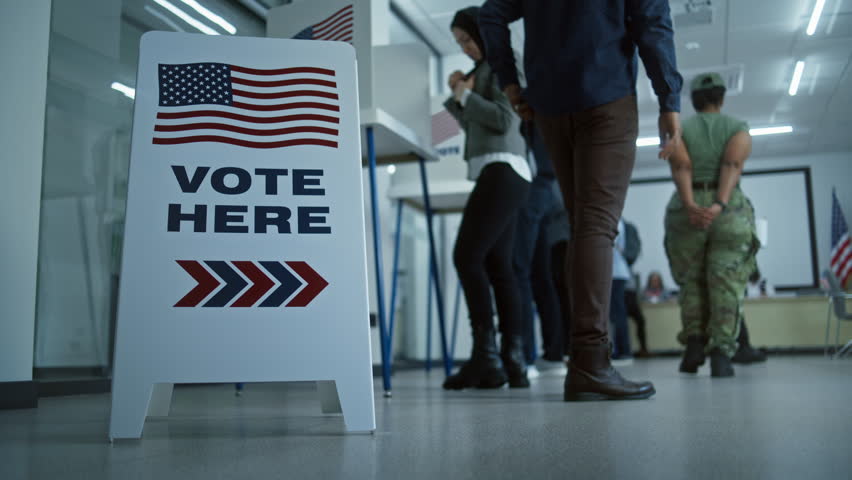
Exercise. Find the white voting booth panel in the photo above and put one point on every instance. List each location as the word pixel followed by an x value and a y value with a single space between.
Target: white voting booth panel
pixel 361 23
pixel 393 79
pixel 448 183
pixel 244 255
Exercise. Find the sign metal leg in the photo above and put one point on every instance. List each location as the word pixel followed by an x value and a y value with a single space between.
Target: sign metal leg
pixel 377 251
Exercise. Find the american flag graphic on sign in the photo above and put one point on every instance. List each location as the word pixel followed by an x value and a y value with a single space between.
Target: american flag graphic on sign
pixel 841 245
pixel 248 107
pixel 444 127
pixel 338 27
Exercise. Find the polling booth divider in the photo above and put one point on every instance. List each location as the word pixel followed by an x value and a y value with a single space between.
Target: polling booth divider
pixel 245 255
pixel 394 101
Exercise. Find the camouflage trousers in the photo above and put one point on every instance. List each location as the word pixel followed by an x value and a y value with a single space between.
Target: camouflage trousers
pixel 711 267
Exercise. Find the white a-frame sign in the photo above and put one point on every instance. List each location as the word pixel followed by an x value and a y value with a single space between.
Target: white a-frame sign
pixel 244 253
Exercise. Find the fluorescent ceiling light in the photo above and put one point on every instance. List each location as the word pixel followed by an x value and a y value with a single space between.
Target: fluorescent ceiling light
pixel 797 77
pixel 211 16
pixel 647 141
pixel 168 21
pixel 651 141
pixel 812 25
pixel 127 91
pixel 186 17
pixel 770 130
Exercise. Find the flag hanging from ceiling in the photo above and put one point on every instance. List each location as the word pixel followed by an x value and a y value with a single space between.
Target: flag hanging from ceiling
pixel 338 27
pixel 841 247
pixel 248 107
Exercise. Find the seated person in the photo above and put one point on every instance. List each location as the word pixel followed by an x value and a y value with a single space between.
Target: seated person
pixel 655 291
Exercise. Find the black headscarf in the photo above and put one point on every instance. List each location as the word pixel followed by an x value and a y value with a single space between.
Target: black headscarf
pixel 467 19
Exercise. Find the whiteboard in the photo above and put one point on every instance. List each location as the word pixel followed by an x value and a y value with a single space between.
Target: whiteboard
pixel 781 197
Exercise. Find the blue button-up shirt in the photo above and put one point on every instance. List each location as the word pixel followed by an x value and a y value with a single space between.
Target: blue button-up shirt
pixel 579 54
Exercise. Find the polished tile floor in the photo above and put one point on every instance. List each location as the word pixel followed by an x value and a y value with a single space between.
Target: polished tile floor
pixel 788 418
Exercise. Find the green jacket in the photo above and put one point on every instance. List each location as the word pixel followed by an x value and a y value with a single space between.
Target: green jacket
pixel 490 125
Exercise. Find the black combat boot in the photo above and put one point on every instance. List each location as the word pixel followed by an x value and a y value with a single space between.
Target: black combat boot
pixel 591 377
pixel 720 364
pixel 512 354
pixel 746 353
pixel 484 369
pixel 693 356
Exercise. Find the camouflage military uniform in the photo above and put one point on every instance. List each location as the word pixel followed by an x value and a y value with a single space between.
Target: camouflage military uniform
pixel 711 266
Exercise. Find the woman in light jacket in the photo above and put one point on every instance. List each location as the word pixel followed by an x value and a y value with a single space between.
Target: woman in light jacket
pixel 496 155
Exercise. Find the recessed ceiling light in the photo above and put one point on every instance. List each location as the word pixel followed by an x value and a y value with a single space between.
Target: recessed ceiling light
pixel 127 91
pixel 797 77
pixel 647 141
pixel 812 24
pixel 755 132
pixel 186 17
pixel 692 45
pixel 770 130
pixel 211 16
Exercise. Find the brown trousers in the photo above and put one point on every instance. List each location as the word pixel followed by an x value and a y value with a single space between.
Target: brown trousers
pixel 593 153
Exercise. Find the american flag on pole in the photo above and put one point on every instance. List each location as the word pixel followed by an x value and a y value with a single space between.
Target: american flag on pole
pixel 338 27
pixel 248 107
pixel 444 127
pixel 841 247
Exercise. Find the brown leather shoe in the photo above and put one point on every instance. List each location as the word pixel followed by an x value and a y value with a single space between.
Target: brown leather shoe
pixel 591 378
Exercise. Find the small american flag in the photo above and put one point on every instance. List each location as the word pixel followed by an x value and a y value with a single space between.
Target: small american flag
pixel 338 27
pixel 841 247
pixel 444 127
pixel 248 107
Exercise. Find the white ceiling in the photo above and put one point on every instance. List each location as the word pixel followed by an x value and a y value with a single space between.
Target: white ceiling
pixel 767 37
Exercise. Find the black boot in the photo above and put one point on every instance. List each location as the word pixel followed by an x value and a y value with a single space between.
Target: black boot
pixel 484 369
pixel 746 353
pixel 720 364
pixel 693 356
pixel 591 377
pixel 512 354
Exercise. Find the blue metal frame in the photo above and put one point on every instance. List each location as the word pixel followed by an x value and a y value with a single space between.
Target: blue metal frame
pixel 395 273
pixel 429 318
pixel 448 361
pixel 455 321
pixel 377 252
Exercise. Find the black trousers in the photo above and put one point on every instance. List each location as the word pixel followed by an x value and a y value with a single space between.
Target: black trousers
pixel 483 251
pixel 558 255
pixel 634 311
pixel 535 280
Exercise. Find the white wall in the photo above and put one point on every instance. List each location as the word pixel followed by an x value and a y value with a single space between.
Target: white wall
pixel 24 34
pixel 827 170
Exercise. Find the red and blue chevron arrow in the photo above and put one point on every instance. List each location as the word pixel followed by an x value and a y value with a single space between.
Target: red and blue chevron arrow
pixel 225 276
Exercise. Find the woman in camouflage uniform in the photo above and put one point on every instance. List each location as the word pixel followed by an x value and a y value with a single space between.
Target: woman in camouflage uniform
pixel 710 232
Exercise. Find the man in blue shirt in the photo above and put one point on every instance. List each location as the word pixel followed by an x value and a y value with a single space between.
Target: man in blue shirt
pixel 580 64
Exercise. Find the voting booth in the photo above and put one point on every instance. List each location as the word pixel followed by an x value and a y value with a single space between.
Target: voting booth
pixel 244 255
pixel 394 101
pixel 393 79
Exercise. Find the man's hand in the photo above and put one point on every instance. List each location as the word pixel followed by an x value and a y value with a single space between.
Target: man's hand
pixel 454 78
pixel 461 86
pixel 669 124
pixel 518 102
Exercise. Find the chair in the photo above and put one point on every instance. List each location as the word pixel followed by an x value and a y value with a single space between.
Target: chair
pixel 837 300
